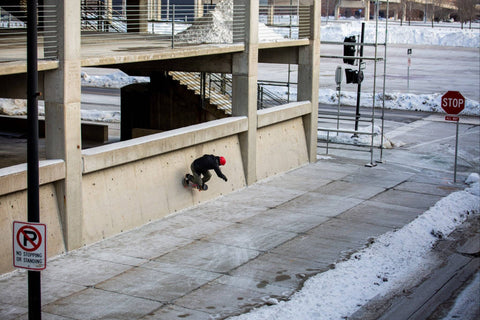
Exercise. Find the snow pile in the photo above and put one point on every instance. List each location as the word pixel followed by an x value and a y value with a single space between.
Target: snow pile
pixel 13 107
pixel 215 27
pixel 473 181
pixel 114 80
pixel 266 34
pixel 396 100
pixel 384 266
pixel 437 36
pixel 100 116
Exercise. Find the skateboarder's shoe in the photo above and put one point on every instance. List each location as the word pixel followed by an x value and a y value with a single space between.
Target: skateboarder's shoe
pixel 203 187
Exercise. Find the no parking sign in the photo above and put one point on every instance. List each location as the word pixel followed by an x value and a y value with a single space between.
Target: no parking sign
pixel 29 245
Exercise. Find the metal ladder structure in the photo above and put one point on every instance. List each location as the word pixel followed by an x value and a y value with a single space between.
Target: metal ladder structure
pixel 333 135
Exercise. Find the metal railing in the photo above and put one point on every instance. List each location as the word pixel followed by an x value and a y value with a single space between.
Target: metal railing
pixel 174 25
pixel 284 22
pixel 13 33
pixel 266 98
pixel 217 88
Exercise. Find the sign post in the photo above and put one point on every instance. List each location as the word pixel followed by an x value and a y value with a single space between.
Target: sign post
pixel 338 81
pixel 453 103
pixel 409 54
pixel 33 189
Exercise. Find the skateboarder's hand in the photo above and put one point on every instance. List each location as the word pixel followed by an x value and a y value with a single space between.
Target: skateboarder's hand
pixel 225 178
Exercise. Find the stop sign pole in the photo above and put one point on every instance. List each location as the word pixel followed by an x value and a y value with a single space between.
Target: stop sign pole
pixel 453 103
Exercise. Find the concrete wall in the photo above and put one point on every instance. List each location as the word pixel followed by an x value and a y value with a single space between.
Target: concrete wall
pixel 127 196
pixel 281 140
pixel 13 207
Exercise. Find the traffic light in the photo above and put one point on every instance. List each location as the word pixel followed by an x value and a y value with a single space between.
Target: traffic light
pixel 353 76
pixel 349 50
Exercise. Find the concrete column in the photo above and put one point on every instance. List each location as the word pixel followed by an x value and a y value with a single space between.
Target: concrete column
pixel 108 10
pixel 308 80
pixel 198 4
pixel 62 115
pixel 244 95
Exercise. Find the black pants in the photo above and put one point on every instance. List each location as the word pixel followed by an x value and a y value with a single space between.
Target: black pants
pixel 197 177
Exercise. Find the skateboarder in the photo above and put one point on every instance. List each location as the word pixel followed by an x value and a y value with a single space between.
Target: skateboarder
pixel 201 166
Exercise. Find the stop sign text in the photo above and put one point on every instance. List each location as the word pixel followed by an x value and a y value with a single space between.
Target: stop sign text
pixel 453 102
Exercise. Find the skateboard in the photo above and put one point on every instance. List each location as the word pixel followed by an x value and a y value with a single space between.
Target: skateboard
pixel 187 182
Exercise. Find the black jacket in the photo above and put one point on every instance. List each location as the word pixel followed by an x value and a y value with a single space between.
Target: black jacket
pixel 208 162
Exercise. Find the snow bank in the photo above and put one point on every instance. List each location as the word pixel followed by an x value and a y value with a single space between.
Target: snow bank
pixel 424 35
pixel 114 80
pixel 13 107
pixel 396 100
pixel 376 270
pixel 215 27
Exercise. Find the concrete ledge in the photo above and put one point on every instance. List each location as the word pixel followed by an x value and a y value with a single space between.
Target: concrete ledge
pixel 140 148
pixel 14 178
pixel 92 57
pixel 283 43
pixel 15 67
pixel 266 117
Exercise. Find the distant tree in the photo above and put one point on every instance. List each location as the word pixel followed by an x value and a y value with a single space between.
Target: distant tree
pixel 466 11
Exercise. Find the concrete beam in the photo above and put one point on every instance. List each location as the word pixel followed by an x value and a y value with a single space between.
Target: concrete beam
pixel 283 55
pixel 217 63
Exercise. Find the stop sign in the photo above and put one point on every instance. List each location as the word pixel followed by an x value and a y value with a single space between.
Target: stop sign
pixel 453 102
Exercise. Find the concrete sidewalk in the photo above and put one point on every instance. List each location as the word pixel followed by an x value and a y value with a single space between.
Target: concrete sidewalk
pixel 237 252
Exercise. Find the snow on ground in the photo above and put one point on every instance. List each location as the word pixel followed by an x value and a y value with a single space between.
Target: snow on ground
pixel 387 265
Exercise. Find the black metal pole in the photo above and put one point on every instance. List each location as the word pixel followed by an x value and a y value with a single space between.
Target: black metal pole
pixel 33 198
pixel 359 84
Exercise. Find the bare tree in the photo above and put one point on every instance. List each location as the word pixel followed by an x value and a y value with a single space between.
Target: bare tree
pixel 466 11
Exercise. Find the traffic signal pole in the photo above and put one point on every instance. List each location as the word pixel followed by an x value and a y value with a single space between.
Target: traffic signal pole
pixel 33 198
pixel 359 83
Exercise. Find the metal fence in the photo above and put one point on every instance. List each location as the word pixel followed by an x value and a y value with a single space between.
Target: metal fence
pixel 284 22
